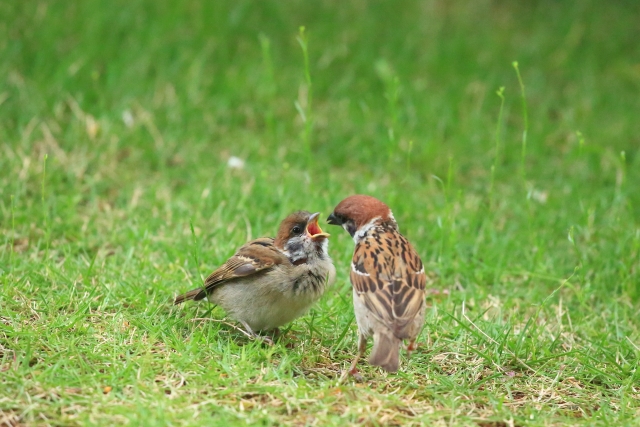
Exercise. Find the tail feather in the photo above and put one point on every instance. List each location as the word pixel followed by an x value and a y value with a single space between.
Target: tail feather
pixel 196 294
pixel 386 351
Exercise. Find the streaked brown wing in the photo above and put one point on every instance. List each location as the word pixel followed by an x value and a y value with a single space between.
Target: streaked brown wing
pixel 388 276
pixel 255 256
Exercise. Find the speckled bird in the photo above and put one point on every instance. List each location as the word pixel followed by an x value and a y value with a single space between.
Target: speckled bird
pixel 388 281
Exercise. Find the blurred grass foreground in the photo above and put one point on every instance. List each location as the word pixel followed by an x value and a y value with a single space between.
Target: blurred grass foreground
pixel 142 142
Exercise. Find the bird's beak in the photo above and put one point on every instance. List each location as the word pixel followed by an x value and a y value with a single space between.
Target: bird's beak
pixel 313 229
pixel 333 220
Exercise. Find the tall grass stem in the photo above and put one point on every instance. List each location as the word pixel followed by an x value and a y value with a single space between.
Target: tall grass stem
pixel 13 231
pixel 306 110
pixel 45 210
pixel 269 82
pixel 496 156
pixel 195 248
pixel 525 116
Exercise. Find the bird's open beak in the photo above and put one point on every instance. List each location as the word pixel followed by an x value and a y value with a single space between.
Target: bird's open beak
pixel 313 229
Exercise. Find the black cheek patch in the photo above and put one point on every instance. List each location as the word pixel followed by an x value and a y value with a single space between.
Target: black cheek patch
pixel 294 247
pixel 351 228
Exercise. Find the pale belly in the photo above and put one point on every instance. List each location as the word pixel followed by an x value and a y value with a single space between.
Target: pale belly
pixel 265 305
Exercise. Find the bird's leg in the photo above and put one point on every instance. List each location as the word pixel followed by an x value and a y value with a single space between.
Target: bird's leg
pixel 250 333
pixel 353 370
pixel 248 329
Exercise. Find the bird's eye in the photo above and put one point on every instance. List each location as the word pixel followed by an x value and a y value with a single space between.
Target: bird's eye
pixel 296 230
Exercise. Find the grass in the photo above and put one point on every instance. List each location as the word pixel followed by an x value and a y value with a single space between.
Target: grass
pixel 117 121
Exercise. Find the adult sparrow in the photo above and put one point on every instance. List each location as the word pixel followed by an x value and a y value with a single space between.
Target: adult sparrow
pixel 388 281
pixel 270 282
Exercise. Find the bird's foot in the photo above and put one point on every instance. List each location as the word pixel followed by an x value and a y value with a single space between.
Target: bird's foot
pixel 255 336
pixel 266 339
pixel 351 372
pixel 413 346
pixel 356 375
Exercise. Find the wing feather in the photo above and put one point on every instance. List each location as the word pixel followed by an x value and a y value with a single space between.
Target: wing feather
pixel 389 278
pixel 252 258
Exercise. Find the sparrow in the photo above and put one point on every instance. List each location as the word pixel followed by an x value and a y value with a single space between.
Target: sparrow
pixel 271 281
pixel 388 281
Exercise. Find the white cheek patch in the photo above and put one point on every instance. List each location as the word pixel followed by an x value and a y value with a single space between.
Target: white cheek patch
pixel 355 270
pixel 324 245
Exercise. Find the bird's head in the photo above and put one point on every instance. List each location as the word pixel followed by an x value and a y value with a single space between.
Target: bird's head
pixel 301 238
pixel 358 213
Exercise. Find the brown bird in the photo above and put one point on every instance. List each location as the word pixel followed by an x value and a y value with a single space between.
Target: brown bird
pixel 388 281
pixel 270 282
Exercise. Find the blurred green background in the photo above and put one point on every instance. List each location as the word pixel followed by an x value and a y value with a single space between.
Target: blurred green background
pixel 139 105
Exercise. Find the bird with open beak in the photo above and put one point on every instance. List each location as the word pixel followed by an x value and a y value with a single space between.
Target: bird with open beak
pixel 271 281
pixel 388 281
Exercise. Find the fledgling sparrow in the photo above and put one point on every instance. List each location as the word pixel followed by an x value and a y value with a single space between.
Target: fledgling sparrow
pixel 270 282
pixel 388 281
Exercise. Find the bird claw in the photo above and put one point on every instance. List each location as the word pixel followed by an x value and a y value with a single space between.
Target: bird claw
pixel 266 339
pixel 353 372
pixel 413 346
pixel 356 375
pixel 255 336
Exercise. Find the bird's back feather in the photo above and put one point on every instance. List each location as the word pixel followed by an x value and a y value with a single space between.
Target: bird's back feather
pixel 388 275
pixel 252 258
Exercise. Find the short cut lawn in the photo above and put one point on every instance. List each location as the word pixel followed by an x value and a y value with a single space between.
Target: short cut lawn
pixel 143 141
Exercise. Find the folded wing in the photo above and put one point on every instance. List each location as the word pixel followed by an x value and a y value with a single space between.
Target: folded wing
pixel 257 256
pixel 389 278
